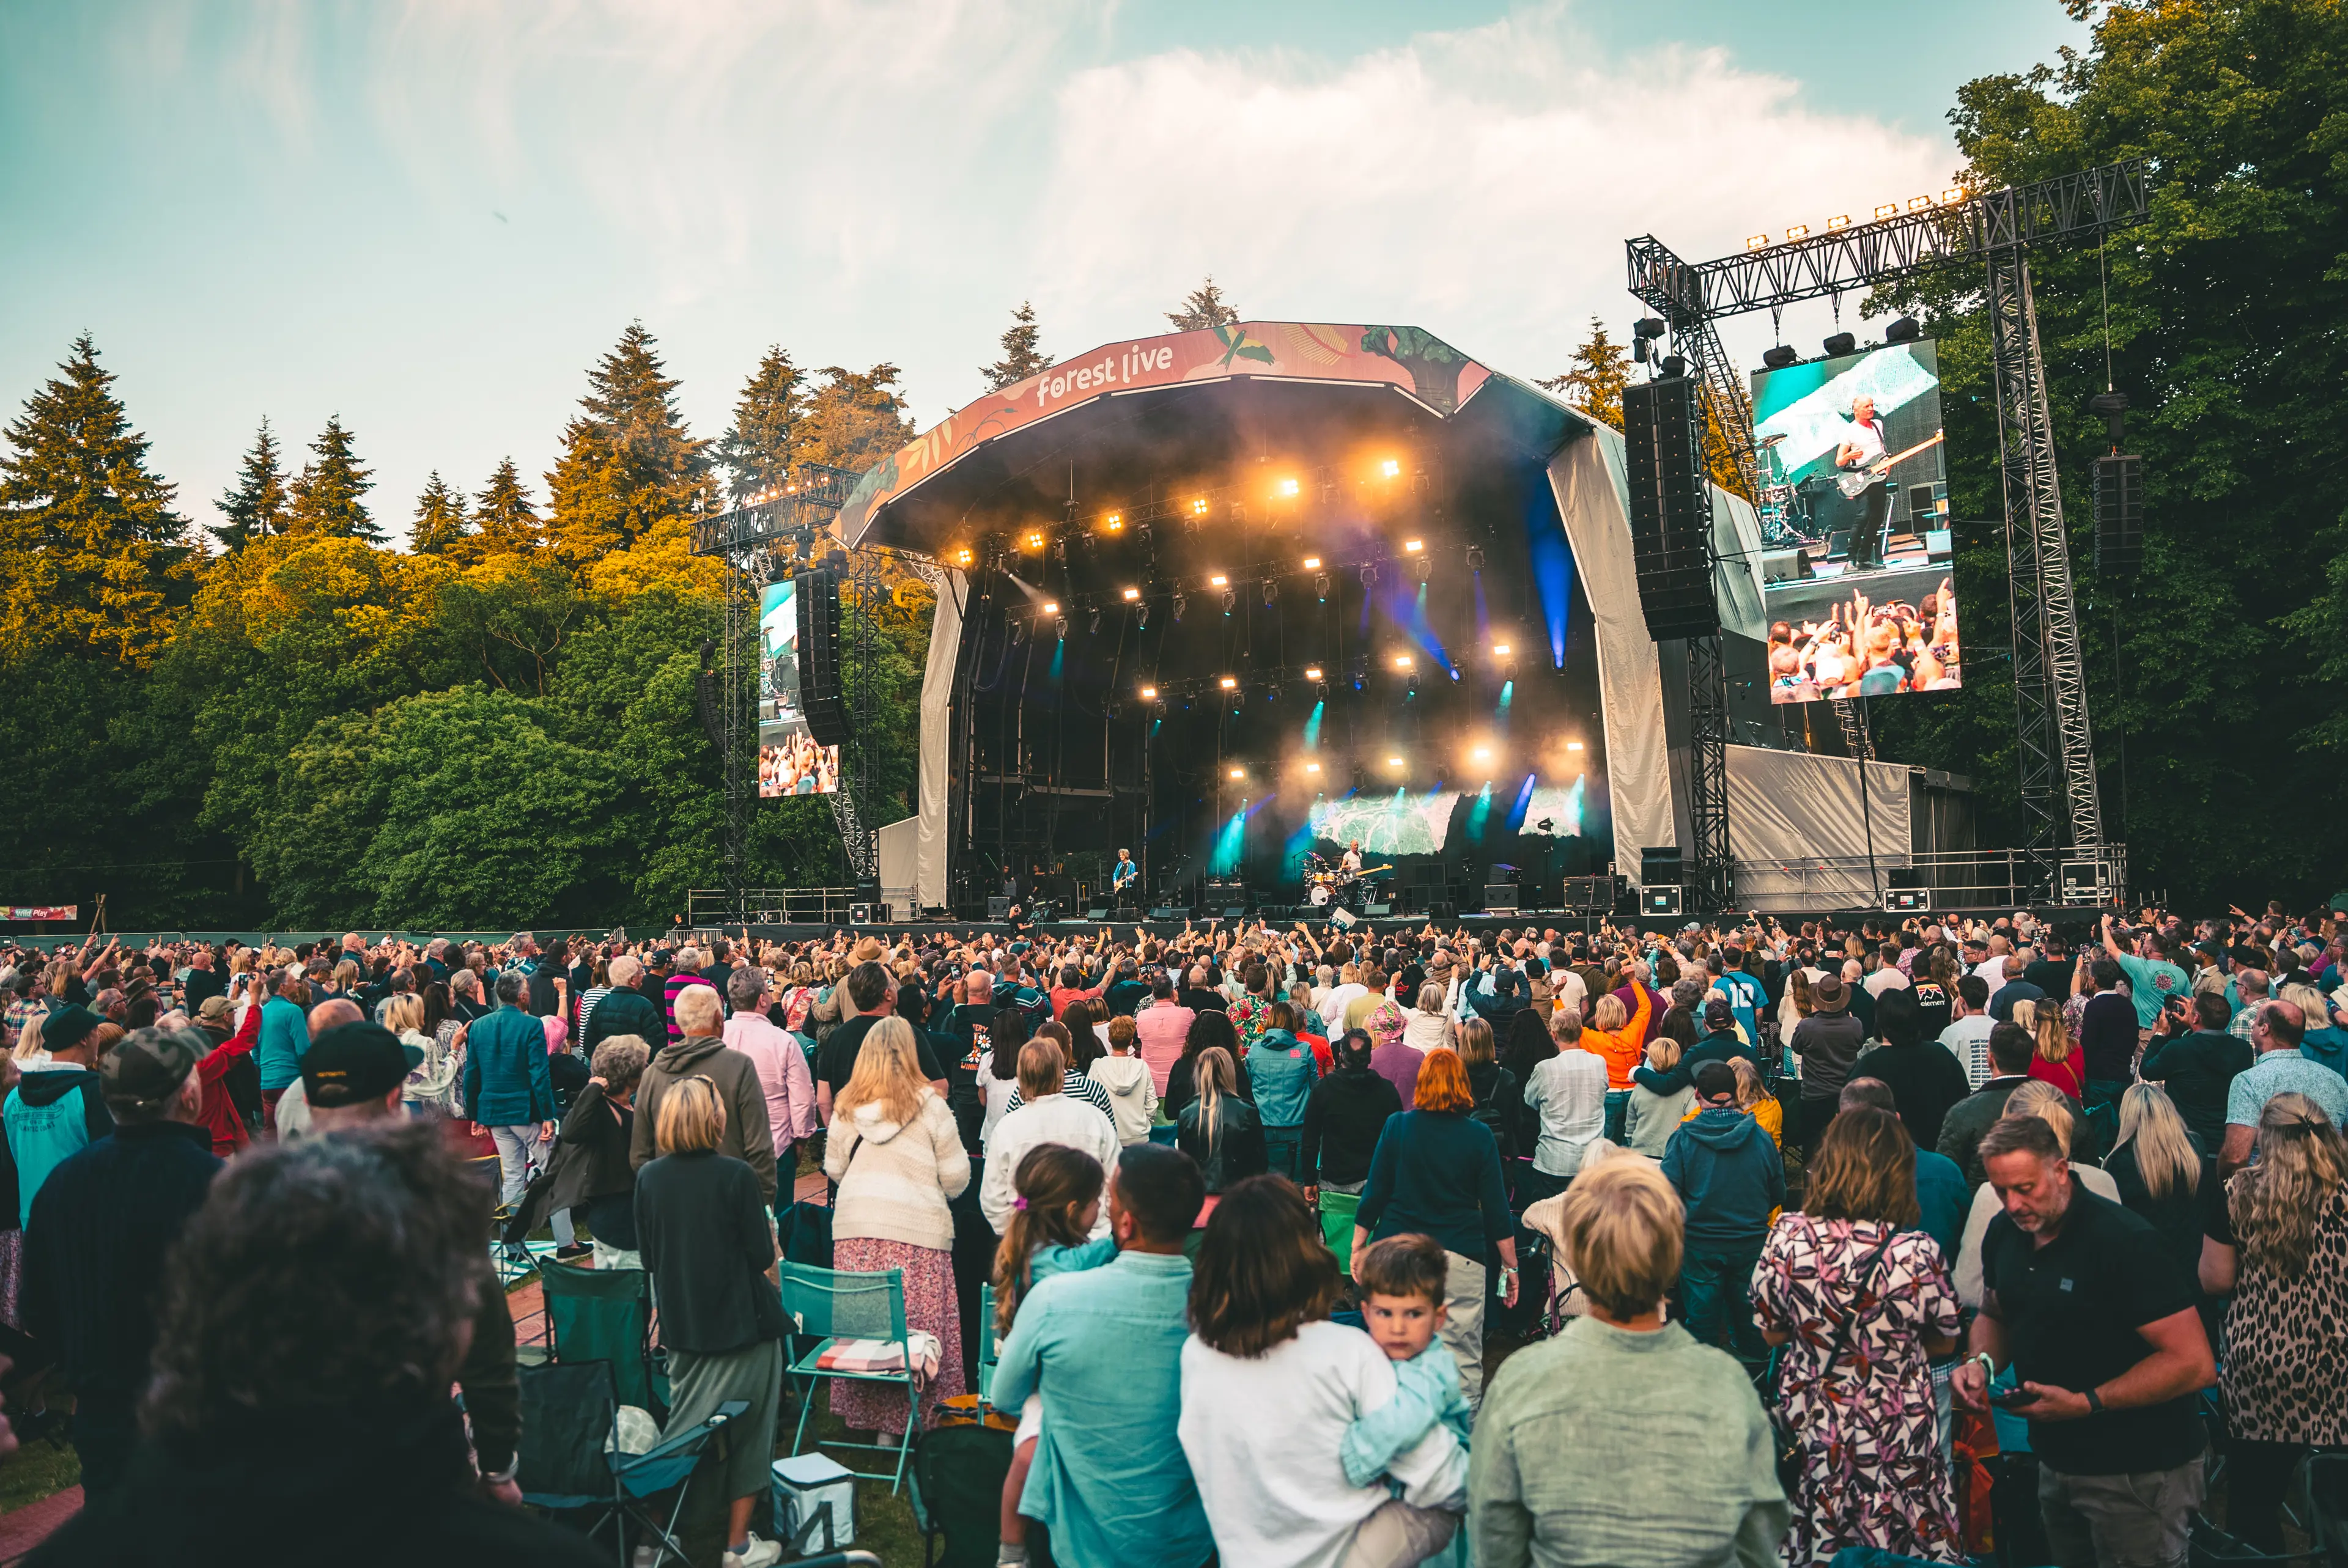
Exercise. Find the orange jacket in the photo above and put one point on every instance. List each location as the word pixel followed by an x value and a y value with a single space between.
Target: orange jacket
pixel 1625 1048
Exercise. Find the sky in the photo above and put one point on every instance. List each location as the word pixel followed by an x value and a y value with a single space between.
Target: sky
pixel 430 218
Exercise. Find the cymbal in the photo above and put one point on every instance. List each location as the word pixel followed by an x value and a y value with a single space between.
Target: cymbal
pixel 1768 441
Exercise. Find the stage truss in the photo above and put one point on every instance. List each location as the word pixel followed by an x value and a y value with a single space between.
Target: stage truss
pixel 1992 231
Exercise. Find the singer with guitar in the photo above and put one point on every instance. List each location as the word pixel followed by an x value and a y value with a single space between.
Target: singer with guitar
pixel 1864 461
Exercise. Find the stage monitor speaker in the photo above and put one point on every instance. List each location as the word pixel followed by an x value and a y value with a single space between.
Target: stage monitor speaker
pixel 1376 911
pixel 1907 900
pixel 1234 911
pixel 1659 901
pixel 1443 909
pixel 1170 912
pixel 1661 864
pixel 822 694
pixel 998 908
pixel 1500 898
pixel 1588 895
pixel 1670 508
pixel 2119 514
pixel 1097 913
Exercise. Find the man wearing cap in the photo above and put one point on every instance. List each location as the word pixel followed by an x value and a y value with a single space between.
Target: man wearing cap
pixel 97 1235
pixel 1719 1043
pixel 228 1074
pixel 353 1076
pixel 55 1113
pixel 1828 1042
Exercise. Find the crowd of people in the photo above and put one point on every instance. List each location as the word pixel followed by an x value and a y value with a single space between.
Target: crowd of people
pixel 1746 1241
pixel 1864 648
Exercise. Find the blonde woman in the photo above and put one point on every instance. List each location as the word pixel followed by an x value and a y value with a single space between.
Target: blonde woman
pixel 2043 1100
pixel 708 1243
pixel 2278 1245
pixel 900 1164
pixel 431 1088
pixel 2057 1060
pixel 1427 1026
pixel 1650 1119
pixel 1220 1130
pixel 1753 1097
pixel 2158 1171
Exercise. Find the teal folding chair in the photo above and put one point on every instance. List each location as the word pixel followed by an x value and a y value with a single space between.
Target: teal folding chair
pixel 832 1305
pixel 605 1315
pixel 987 1346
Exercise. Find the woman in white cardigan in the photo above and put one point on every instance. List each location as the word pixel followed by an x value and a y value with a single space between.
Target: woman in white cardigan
pixel 899 1161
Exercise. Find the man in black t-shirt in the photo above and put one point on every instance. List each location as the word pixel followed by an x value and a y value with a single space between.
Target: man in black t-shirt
pixel 2099 1325
pixel 874 996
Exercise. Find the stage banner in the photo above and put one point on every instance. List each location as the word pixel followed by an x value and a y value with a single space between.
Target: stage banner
pixel 40 911
pixel 1425 367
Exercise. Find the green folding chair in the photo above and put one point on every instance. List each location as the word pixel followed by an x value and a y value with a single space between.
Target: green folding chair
pixel 987 1348
pixel 1337 1226
pixel 605 1315
pixel 833 1305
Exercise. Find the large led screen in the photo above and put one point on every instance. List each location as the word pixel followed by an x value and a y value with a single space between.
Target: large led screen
pixel 790 761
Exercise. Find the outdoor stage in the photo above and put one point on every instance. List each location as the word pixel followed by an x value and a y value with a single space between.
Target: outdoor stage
pixel 1235 599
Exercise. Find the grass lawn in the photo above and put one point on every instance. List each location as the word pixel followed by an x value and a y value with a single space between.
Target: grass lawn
pixel 47 1465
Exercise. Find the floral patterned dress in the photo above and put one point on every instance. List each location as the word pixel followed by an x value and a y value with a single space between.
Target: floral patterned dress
pixel 1872 1471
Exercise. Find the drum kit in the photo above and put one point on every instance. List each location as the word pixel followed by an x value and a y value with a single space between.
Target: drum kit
pixel 1330 884
pixel 1784 509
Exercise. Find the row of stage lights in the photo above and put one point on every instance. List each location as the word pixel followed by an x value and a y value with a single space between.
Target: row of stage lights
pixel 1404 665
pixel 1477 756
pixel 1189 512
pixel 1414 551
pixel 1952 197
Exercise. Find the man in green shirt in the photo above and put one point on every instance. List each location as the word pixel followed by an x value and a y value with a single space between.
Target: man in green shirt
pixel 2152 978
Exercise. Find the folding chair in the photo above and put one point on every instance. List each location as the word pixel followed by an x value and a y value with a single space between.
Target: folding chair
pixel 1337 1226
pixel 569 1458
pixel 835 1305
pixel 605 1315
pixel 987 1348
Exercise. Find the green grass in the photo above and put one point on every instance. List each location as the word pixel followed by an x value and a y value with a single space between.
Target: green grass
pixel 45 1467
pixel 884 1524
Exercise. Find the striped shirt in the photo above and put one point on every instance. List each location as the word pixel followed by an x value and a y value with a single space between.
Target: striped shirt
pixel 1078 1087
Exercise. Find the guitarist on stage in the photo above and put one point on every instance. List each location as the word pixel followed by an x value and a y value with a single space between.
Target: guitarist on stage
pixel 1861 449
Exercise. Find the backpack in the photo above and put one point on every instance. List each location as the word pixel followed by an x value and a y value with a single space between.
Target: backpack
pixel 1493 1115
pixel 957 1494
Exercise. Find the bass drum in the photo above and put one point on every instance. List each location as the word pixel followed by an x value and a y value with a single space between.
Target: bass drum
pixel 1319 896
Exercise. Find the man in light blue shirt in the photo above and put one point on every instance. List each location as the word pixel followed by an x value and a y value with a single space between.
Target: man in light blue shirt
pixel 2276 1030
pixel 285 1041
pixel 2152 980
pixel 1104 1347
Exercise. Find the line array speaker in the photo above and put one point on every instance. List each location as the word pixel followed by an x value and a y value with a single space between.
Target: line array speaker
pixel 822 696
pixel 2119 514
pixel 1670 512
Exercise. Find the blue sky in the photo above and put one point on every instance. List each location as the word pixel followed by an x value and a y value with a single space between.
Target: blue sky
pixel 431 217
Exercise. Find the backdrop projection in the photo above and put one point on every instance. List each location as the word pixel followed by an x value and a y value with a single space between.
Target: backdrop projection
pixel 1858 589
pixel 789 762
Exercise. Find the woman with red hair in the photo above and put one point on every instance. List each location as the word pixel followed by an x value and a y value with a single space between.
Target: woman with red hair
pixel 1436 1172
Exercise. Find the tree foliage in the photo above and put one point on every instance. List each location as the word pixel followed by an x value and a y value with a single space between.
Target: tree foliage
pixel 439 527
pixel 763 443
pixel 1022 356
pixel 1600 370
pixel 855 418
pixel 1204 307
pixel 255 506
pixel 328 494
pixel 505 520
pixel 629 470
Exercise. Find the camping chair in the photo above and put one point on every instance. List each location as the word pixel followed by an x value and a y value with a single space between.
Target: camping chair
pixel 833 1305
pixel 1337 1226
pixel 987 1348
pixel 957 1494
pixel 568 1456
pixel 605 1315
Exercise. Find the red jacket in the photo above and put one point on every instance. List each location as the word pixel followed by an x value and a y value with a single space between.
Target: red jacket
pixel 220 1115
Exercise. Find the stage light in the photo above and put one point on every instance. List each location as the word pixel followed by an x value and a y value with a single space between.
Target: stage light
pixel 1034 542
pixel 1271 591
pixel 1482 753
pixel 1573 746
pixel 1239 772
pixel 1799 231
pixel 1394 761
pixel 1402 661
pixel 1051 607
pixel 1218 581
pixel 1951 196
pixel 1778 358
pixel 1229 682
pixel 1093 625
pixel 1904 329
pixel 1199 507
pixel 1131 594
pixel 1839 221
pixel 1149 694
pixel 1426 568
pixel 1320 585
pixel 1179 602
pixel 1500 650
pixel 1647 327
pixel 1756 241
pixel 1369 577
pixel 1475 558
pixel 1918 203
pixel 1287 487
pixel 1311 563
pixel 1019 631
pixel 1312 767
pixel 1060 627
pixel 1391 468
pixel 1312 671
pixel 1114 521
pixel 962 558
pixel 1231 600
pixel 1674 365
pixel 1839 344
pixel 1412 547
pixel 1141 617
pixel 1889 209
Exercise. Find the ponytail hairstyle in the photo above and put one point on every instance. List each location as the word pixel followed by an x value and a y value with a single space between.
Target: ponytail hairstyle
pixel 1216 1078
pixel 1056 1184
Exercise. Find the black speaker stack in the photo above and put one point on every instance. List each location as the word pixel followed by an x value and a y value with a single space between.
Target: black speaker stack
pixel 2119 514
pixel 822 698
pixel 1670 508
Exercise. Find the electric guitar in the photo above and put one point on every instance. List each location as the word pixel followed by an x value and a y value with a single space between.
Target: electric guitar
pixel 1854 481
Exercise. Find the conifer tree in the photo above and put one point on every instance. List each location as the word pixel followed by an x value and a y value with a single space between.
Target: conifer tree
pixel 1206 307
pixel 856 418
pixel 327 493
pixel 508 523
pixel 1021 355
pixel 255 505
pixel 628 464
pixel 1602 368
pixel 760 448
pixel 91 554
pixel 440 527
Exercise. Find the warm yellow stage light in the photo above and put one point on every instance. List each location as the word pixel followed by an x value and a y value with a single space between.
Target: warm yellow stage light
pixel 1799 231
pixel 1131 594
pixel 1288 486
pixel 1390 467
pixel 1311 563
pixel 1231 682
pixel 1149 694
pixel 1312 673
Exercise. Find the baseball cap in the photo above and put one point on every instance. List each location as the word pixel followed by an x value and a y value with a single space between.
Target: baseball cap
pixel 212 1008
pixel 1718 1016
pixel 147 1066
pixel 355 1062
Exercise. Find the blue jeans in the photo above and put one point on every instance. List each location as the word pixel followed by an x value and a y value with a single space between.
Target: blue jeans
pixel 1715 1296
pixel 1618 1102
pixel 1281 1147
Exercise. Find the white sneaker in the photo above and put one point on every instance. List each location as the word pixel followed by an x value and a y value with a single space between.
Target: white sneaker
pixel 761 1554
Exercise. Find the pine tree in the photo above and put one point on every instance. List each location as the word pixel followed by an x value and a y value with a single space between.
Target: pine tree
pixel 1602 368
pixel 508 523
pixel 255 506
pixel 760 448
pixel 440 527
pixel 1021 356
pixel 326 494
pixel 91 554
pixel 1206 307
pixel 628 464
pixel 855 420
